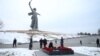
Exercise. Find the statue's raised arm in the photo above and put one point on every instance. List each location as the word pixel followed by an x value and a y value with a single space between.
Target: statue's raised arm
pixel 30 5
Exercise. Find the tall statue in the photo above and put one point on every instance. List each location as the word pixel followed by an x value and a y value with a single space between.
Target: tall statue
pixel 34 23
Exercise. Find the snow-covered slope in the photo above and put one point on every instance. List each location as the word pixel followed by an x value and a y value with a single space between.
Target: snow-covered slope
pixel 7 38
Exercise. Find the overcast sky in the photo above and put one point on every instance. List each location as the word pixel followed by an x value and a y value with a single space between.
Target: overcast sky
pixel 66 16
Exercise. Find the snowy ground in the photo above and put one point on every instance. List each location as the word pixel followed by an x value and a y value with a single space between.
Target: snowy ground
pixel 91 51
pixel 17 52
pixel 88 51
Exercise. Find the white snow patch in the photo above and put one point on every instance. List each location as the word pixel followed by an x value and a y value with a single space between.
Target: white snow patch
pixel 17 52
pixel 91 51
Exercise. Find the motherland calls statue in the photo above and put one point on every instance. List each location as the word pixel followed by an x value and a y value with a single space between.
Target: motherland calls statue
pixel 34 23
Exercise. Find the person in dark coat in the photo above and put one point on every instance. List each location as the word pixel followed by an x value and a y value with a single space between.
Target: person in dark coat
pixel 62 42
pixel 41 43
pixel 14 42
pixel 97 42
pixel 30 44
pixel 81 42
pixel 45 42
pixel 50 45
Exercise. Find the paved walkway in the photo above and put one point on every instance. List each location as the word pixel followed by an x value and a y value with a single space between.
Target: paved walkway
pixel 37 53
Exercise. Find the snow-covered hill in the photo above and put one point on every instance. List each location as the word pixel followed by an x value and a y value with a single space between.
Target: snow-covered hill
pixel 7 38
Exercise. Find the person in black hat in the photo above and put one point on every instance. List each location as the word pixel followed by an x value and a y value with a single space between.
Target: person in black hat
pixel 14 42
pixel 62 42
pixel 97 42
pixel 41 43
pixel 30 44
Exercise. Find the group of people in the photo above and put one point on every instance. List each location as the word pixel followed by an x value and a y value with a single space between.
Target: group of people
pixel 43 42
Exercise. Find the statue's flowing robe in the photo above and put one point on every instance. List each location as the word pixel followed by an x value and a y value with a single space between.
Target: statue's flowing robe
pixel 34 23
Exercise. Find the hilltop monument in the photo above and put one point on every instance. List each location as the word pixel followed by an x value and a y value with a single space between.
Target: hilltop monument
pixel 34 18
